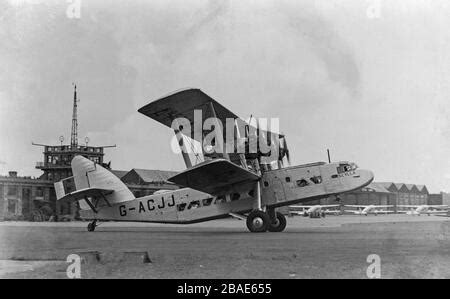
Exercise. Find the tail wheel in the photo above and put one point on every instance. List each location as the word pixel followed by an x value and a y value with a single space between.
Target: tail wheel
pixel 91 226
pixel 257 221
pixel 279 225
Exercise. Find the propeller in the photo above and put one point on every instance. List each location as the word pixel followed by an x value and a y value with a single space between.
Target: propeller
pixel 286 149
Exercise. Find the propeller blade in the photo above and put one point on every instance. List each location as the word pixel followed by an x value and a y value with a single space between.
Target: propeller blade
pixel 286 149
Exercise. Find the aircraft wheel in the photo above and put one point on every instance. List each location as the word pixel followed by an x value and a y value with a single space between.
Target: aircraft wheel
pixel 279 225
pixel 257 221
pixel 91 226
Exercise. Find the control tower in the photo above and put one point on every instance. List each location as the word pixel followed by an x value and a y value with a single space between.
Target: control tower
pixel 57 158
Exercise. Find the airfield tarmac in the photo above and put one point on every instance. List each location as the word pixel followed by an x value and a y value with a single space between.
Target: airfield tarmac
pixel 331 247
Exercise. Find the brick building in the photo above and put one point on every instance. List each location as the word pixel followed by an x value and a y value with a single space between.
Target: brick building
pixel 35 198
pixel 385 193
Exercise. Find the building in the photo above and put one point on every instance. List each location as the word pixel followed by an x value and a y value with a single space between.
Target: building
pixel 384 193
pixel 372 194
pixel 144 182
pixel 408 194
pixel 34 199
pixel 445 198
pixel 26 198
pixel 436 199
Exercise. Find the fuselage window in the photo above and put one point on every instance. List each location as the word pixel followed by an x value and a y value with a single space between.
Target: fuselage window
pixel 235 196
pixel 266 184
pixel 220 199
pixel 194 204
pixel 302 183
pixel 288 179
pixel 316 179
pixel 181 207
pixel 207 201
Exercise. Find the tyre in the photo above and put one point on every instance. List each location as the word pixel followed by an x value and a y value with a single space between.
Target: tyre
pixel 91 227
pixel 257 221
pixel 279 225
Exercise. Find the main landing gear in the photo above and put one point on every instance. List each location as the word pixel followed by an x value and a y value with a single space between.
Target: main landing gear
pixel 92 225
pixel 259 221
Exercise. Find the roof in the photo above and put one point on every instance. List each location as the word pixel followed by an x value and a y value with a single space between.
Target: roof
pixel 408 187
pixel 411 187
pixel 386 184
pixel 153 175
pixel 399 186
pixel 119 173
pixel 376 187
pixel 421 188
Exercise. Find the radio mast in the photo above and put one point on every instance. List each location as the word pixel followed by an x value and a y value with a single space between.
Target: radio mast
pixel 74 133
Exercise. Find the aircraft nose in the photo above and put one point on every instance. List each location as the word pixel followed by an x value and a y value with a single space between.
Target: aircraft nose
pixel 364 176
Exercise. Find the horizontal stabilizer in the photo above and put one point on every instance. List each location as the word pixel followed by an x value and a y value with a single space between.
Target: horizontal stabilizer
pixel 213 175
pixel 85 193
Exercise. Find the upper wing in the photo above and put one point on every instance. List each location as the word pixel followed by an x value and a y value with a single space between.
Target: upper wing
pixel 352 211
pixel 182 104
pixel 408 206
pixel 213 175
pixel 356 206
pixel 438 206
pixel 329 206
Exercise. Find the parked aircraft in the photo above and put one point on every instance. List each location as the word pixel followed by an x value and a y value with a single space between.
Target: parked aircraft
pixel 221 184
pixel 369 209
pixel 314 211
pixel 417 210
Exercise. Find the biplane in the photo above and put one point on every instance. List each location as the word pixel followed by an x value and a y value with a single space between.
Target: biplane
pixel 314 211
pixel 369 209
pixel 243 176
pixel 417 210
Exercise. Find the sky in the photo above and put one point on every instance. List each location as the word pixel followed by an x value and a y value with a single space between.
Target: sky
pixel 370 80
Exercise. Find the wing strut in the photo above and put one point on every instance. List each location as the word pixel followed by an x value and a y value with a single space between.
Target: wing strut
pixel 258 195
pixel 181 143
pixel 90 204
pixel 219 127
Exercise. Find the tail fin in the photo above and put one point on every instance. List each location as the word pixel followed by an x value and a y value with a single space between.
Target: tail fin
pixel 88 178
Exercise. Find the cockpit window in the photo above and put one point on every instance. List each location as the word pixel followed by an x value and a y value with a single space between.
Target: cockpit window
pixel 346 167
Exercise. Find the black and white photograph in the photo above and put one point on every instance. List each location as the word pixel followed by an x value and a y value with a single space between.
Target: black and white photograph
pixel 224 144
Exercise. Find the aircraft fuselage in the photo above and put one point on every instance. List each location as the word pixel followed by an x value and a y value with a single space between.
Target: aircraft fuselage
pixel 279 187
